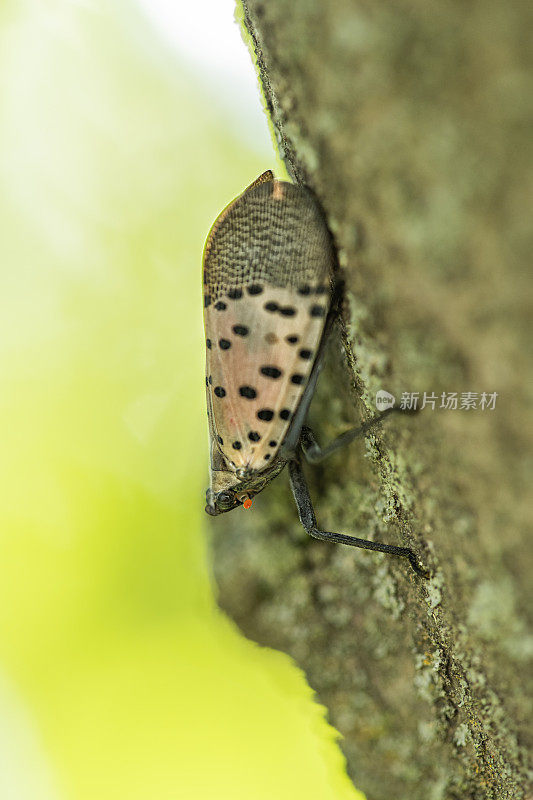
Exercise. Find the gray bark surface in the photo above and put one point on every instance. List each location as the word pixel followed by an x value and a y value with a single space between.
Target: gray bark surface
pixel 412 123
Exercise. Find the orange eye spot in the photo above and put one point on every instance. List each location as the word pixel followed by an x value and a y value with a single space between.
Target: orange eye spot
pixel 247 503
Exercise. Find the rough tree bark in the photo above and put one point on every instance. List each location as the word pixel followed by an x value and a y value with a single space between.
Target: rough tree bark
pixel 411 122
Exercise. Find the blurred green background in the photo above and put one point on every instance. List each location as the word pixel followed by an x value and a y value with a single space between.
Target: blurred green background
pixel 118 676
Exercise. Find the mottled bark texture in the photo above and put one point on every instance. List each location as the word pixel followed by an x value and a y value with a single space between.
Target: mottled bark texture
pixel 411 122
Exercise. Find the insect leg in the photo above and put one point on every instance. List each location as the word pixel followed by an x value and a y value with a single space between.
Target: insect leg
pixel 306 513
pixel 314 453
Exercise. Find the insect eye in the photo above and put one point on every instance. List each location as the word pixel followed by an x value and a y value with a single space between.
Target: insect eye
pixel 225 500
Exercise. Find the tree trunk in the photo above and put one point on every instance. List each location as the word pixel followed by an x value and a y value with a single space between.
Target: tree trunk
pixel 411 123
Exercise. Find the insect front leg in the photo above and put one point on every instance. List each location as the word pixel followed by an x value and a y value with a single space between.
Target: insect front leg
pixel 306 513
pixel 314 453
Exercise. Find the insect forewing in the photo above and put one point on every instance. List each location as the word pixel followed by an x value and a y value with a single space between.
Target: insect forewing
pixel 267 268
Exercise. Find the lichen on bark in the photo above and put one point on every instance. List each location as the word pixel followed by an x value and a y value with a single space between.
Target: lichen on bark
pixel 413 127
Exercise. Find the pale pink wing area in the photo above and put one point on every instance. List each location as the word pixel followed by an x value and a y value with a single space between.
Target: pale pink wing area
pixel 261 346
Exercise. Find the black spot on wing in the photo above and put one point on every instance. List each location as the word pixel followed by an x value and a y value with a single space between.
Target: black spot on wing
pixel 240 330
pixel 247 391
pixel 285 311
pixel 317 311
pixel 271 372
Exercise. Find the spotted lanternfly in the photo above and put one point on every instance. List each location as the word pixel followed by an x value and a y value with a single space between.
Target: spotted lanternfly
pixel 270 300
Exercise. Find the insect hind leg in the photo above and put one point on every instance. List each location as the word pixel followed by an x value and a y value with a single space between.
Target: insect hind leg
pixel 306 513
pixel 314 453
